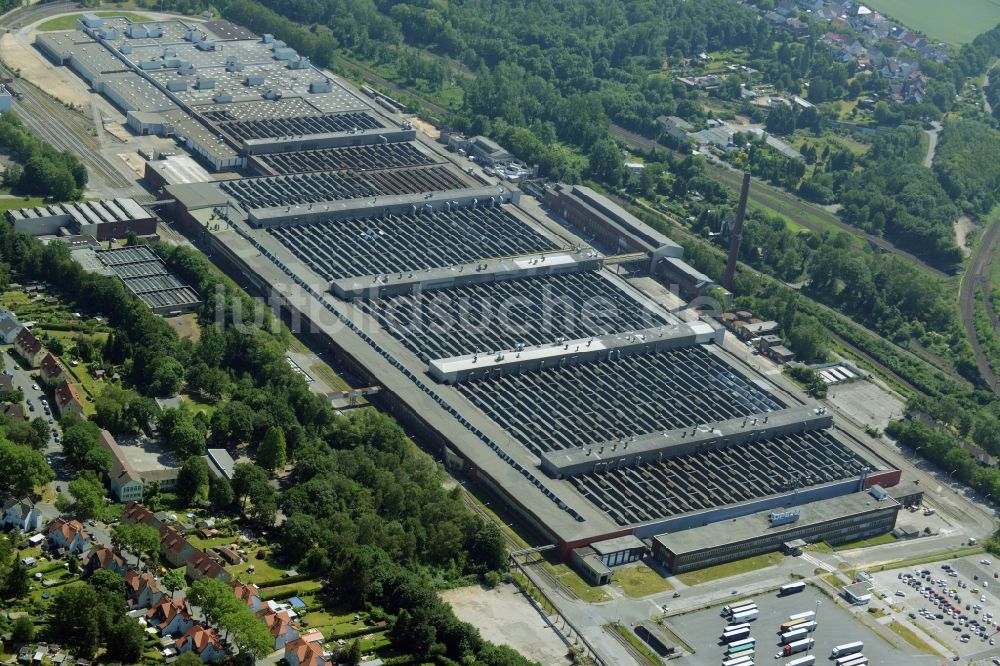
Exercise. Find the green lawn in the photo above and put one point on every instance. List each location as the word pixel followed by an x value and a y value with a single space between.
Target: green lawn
pixel 68 22
pixel 640 581
pixel 865 543
pixel 730 569
pixel 952 21
pixel 579 586
pixel 635 642
pixel 264 570
pixel 7 203
pixel 912 638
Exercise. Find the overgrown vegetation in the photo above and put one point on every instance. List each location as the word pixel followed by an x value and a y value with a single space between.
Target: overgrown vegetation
pixel 39 168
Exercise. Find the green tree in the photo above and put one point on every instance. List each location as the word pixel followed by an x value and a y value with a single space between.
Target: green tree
pixel 192 480
pixel 215 598
pixel 17 582
pixel 247 478
pixel 88 497
pixel 354 653
pixel 272 453
pixel 188 659
pixel 137 538
pixel 125 641
pixel 173 580
pixel 249 633
pixel 22 468
pixel 220 494
pixel 23 630
pixel 73 617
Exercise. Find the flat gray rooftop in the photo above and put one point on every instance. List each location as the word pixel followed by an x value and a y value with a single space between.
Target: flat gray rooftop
pixel 758 524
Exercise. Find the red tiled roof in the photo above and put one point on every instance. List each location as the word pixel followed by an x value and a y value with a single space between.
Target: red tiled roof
pixel 136 582
pixel 105 557
pixel 65 394
pixel 308 652
pixel 277 623
pixel 68 528
pixel 137 513
pixel 50 367
pixel 27 342
pixel 200 638
pixel 244 592
pixel 201 561
pixel 167 610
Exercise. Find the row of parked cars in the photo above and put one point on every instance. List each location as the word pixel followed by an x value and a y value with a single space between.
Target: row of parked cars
pixel 948 601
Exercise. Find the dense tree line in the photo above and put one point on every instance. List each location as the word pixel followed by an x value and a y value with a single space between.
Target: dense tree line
pixel 966 164
pixel 39 168
pixel 368 576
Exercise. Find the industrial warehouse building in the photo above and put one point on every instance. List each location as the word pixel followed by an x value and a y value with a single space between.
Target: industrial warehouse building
pixel 839 520
pixel 104 220
pixel 597 413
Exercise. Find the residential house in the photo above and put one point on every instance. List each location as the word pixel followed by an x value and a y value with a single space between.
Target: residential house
pixel 127 481
pixel 136 513
pixel 248 594
pixel 675 127
pixel 68 534
pixel 51 371
pixel 174 547
pixel 203 642
pixel 279 625
pixel 9 327
pixel 29 347
pixel 67 400
pixel 170 617
pixel 13 410
pixel 229 554
pixel 299 652
pixel 21 515
pixel 102 557
pixel 202 565
pixel 141 590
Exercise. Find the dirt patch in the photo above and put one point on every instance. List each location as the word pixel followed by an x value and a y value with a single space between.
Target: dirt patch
pixel 425 127
pixel 57 81
pixel 963 227
pixel 134 162
pixel 186 326
pixel 504 616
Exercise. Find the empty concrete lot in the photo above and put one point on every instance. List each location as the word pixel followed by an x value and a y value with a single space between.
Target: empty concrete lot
pixel 836 625
pixel 504 616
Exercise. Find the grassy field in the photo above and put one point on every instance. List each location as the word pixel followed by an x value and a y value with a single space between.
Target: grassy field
pixel 730 569
pixel 635 642
pixel 579 586
pixel 912 638
pixel 640 581
pixel 68 22
pixel 9 203
pixel 952 21
pixel 864 543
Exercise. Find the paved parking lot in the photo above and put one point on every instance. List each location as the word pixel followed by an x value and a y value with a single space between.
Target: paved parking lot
pixel 974 584
pixel 836 626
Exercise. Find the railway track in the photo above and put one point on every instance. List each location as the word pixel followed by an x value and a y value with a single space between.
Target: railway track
pixel 976 275
pixel 67 131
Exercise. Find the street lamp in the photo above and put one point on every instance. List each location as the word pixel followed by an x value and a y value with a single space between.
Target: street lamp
pixel 816 620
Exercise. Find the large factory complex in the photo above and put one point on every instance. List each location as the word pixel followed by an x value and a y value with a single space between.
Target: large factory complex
pixel 498 331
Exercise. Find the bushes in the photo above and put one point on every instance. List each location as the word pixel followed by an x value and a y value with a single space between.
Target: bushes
pixel 45 172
